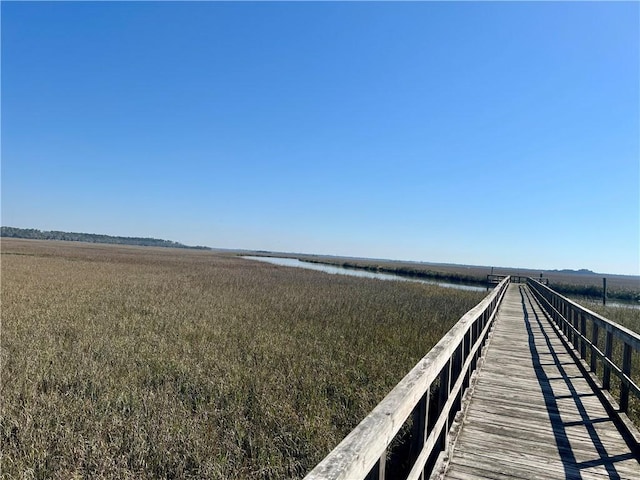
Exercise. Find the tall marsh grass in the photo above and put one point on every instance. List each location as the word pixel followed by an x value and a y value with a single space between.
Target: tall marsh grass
pixel 131 362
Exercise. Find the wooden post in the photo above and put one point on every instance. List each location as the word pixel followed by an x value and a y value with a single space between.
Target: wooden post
pixel 626 369
pixel 594 341
pixel 378 470
pixel 445 376
pixel 419 429
pixel 475 329
pixel 604 290
pixel 572 333
pixel 456 369
pixel 467 344
pixel 608 353
pixel 583 332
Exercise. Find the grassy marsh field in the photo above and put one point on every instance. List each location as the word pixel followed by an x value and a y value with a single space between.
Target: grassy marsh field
pixel 140 362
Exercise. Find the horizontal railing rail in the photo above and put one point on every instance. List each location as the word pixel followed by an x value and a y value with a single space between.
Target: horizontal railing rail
pixel 583 328
pixel 430 395
pixel 494 278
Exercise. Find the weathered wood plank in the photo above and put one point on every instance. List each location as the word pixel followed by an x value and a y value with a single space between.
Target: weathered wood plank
pixel 488 468
pixel 532 414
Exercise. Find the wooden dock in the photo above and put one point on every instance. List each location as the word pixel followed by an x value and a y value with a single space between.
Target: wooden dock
pixel 532 414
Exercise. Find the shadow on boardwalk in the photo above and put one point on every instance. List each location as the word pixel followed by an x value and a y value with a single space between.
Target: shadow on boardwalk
pixel 572 467
pixel 532 414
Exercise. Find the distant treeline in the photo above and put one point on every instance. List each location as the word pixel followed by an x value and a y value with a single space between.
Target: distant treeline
pixel 34 234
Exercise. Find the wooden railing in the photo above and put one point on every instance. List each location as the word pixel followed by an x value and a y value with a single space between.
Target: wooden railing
pixel 495 278
pixel 427 398
pixel 596 340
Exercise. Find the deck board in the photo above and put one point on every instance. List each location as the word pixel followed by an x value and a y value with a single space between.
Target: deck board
pixel 532 414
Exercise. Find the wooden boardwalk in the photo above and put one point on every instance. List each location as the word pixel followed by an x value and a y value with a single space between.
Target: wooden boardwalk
pixel 532 414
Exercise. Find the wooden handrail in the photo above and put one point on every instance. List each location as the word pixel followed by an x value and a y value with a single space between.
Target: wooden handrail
pixel 449 365
pixel 571 319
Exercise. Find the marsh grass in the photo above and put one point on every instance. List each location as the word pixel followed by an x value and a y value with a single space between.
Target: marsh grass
pixel 131 362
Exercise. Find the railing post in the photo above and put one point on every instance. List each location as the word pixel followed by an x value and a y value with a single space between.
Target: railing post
pixel 626 369
pixel 467 343
pixel 575 316
pixel 571 334
pixel 474 338
pixel 378 470
pixel 456 369
pixel 571 326
pixel 583 332
pixel 445 376
pixel 419 429
pixel 608 353
pixel 594 342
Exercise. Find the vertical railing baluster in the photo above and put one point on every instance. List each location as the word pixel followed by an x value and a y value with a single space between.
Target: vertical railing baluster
pixel 575 316
pixel 445 376
pixel 467 344
pixel 476 336
pixel 594 341
pixel 626 369
pixel 608 353
pixel 419 429
pixel 583 332
pixel 379 469
pixel 456 369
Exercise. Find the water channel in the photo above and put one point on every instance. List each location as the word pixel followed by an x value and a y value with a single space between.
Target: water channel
pixel 335 270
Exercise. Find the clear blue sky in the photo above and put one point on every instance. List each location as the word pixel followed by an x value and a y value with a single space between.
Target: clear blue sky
pixel 501 133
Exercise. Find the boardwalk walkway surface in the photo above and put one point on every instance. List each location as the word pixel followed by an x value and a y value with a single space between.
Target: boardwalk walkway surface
pixel 532 414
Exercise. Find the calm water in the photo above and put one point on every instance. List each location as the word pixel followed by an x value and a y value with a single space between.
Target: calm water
pixel 294 262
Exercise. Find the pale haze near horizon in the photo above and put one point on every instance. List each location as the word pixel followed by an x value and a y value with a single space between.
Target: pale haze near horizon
pixel 501 134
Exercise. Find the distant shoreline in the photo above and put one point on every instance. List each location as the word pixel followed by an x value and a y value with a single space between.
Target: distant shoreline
pixel 35 234
pixel 575 283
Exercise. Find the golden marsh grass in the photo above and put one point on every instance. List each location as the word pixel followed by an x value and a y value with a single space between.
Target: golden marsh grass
pixel 133 362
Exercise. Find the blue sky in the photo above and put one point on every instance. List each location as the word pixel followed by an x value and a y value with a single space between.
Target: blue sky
pixel 502 133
